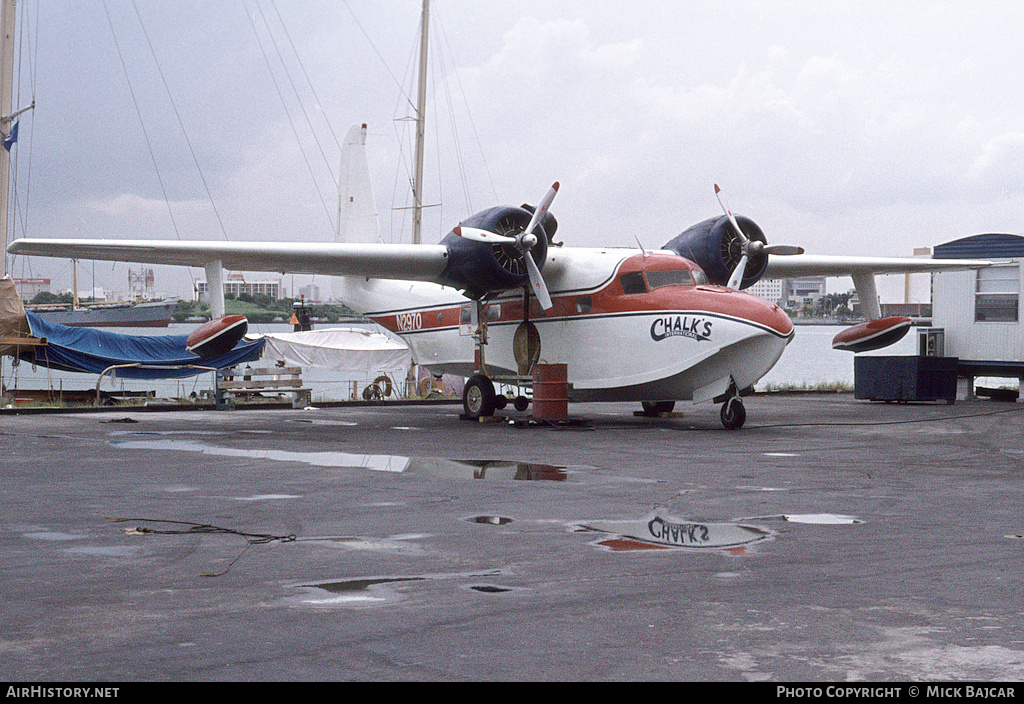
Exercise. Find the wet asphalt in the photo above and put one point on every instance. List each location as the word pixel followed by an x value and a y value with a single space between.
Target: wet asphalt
pixel 829 540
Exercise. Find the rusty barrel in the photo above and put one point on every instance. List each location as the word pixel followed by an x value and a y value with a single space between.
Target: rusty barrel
pixel 550 391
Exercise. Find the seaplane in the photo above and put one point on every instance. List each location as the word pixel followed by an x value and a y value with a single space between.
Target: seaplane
pixel 499 298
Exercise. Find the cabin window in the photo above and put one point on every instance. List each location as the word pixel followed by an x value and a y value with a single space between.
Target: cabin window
pixel 679 277
pixel 997 294
pixel 583 304
pixel 633 282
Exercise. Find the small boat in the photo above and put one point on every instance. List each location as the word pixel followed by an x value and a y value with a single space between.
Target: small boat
pixel 872 335
pixel 217 336
pixel 151 314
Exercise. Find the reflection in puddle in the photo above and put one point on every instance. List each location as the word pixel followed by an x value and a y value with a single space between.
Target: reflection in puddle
pixel 427 466
pixel 820 518
pixel 657 532
pixel 396 544
pixel 353 592
pixel 491 520
pixel 49 535
pixel 828 519
pixel 372 591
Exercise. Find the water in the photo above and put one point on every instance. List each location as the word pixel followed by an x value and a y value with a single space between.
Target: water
pixel 809 361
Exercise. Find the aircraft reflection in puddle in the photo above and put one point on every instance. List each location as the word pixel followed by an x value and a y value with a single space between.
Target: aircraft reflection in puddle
pixel 657 532
pixel 426 466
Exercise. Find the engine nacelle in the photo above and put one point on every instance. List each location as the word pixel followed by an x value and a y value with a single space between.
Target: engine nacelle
pixel 479 268
pixel 714 245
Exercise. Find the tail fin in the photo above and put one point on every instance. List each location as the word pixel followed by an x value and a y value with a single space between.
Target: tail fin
pixel 357 212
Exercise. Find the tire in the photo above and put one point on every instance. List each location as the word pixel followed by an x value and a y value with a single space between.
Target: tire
pixel 734 414
pixel 478 399
pixel 521 403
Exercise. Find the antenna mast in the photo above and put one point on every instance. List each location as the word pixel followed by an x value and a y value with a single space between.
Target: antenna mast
pixel 421 116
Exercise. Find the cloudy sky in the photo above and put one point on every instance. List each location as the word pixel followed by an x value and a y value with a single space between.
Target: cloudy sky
pixel 847 127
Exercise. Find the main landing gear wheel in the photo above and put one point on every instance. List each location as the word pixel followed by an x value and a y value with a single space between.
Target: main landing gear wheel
pixel 733 413
pixel 478 398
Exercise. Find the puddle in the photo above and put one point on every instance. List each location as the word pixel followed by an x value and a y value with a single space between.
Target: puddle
pixel 49 535
pixel 396 544
pixel 426 466
pixel 491 520
pixel 117 551
pixel 657 532
pixel 267 497
pixel 827 519
pixel 491 588
pixel 353 592
pixel 374 591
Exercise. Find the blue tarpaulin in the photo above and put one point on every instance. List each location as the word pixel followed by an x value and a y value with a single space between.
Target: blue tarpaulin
pixel 82 349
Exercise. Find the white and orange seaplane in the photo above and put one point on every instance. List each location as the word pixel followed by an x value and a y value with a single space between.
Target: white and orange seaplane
pixel 498 295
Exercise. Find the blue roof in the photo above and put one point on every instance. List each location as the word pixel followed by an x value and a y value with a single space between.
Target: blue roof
pixel 991 246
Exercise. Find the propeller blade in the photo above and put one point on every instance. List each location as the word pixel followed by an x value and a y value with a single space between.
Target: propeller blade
pixel 737 274
pixel 782 249
pixel 732 219
pixel 537 281
pixel 478 235
pixel 541 209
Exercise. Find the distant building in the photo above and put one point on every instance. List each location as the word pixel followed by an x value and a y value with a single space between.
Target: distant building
pixel 310 293
pixel 30 288
pixel 769 290
pixel 236 284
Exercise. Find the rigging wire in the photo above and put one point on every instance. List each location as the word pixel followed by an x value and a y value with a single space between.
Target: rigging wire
pixel 305 73
pixel 284 105
pixel 142 122
pixel 177 116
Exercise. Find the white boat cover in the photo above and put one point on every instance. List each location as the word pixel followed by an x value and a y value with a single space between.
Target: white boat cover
pixel 341 349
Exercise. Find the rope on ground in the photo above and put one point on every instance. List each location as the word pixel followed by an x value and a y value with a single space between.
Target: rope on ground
pixel 197 528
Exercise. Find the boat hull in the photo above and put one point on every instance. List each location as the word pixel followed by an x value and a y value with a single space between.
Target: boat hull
pixel 144 315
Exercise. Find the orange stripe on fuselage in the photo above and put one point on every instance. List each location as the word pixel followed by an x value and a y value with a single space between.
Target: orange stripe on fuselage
pixel 609 300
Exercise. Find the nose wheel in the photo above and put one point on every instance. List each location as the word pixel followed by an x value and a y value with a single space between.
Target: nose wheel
pixel 734 414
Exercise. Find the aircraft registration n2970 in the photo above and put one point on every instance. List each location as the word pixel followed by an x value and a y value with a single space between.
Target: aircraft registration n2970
pixel 499 295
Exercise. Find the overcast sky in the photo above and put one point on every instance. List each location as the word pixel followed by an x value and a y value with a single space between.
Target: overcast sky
pixel 846 127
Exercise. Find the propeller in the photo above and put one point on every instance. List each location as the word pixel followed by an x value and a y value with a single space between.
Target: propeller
pixel 523 242
pixel 751 247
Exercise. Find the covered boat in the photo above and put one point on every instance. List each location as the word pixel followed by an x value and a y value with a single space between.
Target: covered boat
pixel 340 349
pixel 157 356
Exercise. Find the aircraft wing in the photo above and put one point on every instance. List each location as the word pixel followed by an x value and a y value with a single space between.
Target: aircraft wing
pixel 832 265
pixel 862 270
pixel 382 261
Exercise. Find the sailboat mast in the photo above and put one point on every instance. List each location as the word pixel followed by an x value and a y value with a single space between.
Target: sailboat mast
pixel 6 93
pixel 421 118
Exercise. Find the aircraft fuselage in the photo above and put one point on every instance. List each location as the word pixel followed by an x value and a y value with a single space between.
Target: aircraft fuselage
pixel 628 326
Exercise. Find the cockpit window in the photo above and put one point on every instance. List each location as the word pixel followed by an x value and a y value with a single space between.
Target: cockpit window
pixel 633 282
pixel 677 277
